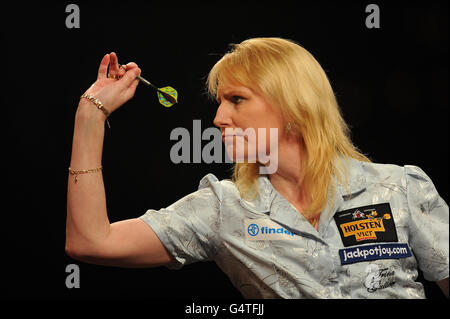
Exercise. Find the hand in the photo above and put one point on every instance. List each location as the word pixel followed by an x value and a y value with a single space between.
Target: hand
pixel 113 93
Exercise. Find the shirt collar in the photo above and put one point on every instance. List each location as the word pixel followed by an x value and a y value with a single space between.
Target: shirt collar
pixel 266 194
pixel 270 202
pixel 356 179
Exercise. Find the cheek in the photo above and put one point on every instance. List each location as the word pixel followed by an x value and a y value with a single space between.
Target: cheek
pixel 255 146
pixel 237 149
pixel 266 140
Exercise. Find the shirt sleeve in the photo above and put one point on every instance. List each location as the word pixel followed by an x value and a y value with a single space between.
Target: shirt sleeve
pixel 429 224
pixel 189 228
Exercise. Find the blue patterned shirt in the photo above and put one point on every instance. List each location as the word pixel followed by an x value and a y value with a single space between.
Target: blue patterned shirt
pixel 370 242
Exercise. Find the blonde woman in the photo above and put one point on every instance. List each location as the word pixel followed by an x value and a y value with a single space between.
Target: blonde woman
pixel 328 223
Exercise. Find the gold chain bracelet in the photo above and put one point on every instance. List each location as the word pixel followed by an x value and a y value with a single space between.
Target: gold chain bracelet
pixel 83 171
pixel 98 104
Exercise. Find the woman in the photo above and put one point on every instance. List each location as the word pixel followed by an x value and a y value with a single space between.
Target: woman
pixel 327 223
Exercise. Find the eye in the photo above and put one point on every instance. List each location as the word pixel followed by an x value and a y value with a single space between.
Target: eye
pixel 236 99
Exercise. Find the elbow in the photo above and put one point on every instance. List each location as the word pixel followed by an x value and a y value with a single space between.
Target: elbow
pixel 79 254
pixel 70 246
pixel 76 246
pixel 73 251
pixel 87 252
pixel 76 251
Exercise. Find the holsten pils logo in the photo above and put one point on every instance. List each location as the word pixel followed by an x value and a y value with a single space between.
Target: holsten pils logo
pixel 363 229
pixel 266 229
pixel 367 224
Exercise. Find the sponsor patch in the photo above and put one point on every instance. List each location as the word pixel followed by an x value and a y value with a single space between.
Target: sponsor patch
pixel 366 224
pixel 374 252
pixel 266 229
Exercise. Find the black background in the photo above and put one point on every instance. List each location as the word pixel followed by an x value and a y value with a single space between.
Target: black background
pixel 391 83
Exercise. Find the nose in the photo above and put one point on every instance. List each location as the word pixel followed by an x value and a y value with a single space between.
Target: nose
pixel 223 116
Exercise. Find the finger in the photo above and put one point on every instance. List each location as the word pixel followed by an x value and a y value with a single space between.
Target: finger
pixel 131 65
pixel 122 66
pixel 103 69
pixel 122 70
pixel 127 67
pixel 132 86
pixel 131 89
pixel 113 64
pixel 130 76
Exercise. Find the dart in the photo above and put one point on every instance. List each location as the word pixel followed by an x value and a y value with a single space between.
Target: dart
pixel 167 95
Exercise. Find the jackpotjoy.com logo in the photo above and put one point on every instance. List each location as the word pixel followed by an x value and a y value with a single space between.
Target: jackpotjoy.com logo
pixel 249 145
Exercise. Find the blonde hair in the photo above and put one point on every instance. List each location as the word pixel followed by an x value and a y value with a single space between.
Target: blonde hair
pixel 286 74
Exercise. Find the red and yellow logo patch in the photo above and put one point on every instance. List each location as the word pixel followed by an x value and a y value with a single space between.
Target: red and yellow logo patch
pixel 366 224
pixel 363 229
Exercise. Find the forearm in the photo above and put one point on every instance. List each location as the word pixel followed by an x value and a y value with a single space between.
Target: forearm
pixel 87 221
pixel 443 284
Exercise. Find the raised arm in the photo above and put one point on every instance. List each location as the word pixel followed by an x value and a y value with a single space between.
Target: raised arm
pixel 89 235
pixel 443 284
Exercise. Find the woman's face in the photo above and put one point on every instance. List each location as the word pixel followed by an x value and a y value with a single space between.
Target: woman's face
pixel 249 124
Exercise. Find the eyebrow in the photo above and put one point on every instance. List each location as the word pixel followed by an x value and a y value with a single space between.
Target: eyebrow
pixel 230 92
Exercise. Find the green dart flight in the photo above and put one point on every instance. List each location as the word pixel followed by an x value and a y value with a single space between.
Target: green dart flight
pixel 167 95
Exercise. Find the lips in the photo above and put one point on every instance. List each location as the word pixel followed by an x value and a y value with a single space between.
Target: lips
pixel 229 137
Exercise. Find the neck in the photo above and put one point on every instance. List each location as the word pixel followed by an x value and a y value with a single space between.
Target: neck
pixel 285 179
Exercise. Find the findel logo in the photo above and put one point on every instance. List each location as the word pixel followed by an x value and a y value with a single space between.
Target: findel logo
pixel 266 229
pixel 253 229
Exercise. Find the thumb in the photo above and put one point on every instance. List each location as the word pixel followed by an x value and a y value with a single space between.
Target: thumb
pixel 131 77
pixel 134 84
